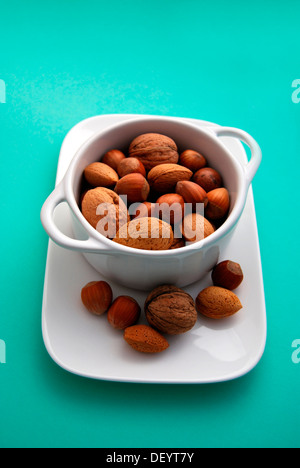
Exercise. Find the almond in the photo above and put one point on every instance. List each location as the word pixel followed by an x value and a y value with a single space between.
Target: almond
pixel 100 175
pixel 145 339
pixel 153 149
pixel 217 303
pixel 163 178
pixel 146 234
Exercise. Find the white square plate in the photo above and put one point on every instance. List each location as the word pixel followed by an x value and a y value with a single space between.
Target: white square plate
pixel 213 351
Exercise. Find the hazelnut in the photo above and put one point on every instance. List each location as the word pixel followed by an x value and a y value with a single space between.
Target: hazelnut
pixel 217 303
pixel 228 275
pixel 130 166
pixel 100 175
pixel 170 310
pixel 134 186
pixel 208 178
pixel 97 297
pixel 170 208
pixel 218 203
pixel 191 193
pixel 113 158
pixel 192 160
pixel 123 312
pixel 153 149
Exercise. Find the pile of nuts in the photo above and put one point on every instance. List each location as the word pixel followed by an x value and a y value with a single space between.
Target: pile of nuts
pixel 158 183
pixel 168 310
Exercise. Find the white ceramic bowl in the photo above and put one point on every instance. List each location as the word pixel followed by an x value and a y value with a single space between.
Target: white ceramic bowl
pixel 140 269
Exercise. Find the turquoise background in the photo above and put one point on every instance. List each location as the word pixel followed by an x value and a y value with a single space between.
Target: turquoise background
pixel 228 62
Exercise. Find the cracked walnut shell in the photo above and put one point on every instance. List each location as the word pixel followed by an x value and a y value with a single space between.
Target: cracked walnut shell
pixel 170 310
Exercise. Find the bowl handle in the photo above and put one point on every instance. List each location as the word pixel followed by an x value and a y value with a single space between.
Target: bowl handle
pixel 57 197
pixel 256 156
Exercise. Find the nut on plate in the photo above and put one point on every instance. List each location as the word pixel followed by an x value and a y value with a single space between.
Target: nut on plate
pixel 145 339
pixel 97 297
pixel 217 303
pixel 170 310
pixel 227 274
pixel 146 234
pixel 124 312
pixel 153 149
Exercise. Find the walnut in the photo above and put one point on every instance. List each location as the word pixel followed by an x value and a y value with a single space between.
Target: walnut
pixel 170 310
pixel 153 149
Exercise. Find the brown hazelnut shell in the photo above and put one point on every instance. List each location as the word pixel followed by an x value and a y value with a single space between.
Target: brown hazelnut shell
pixel 208 178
